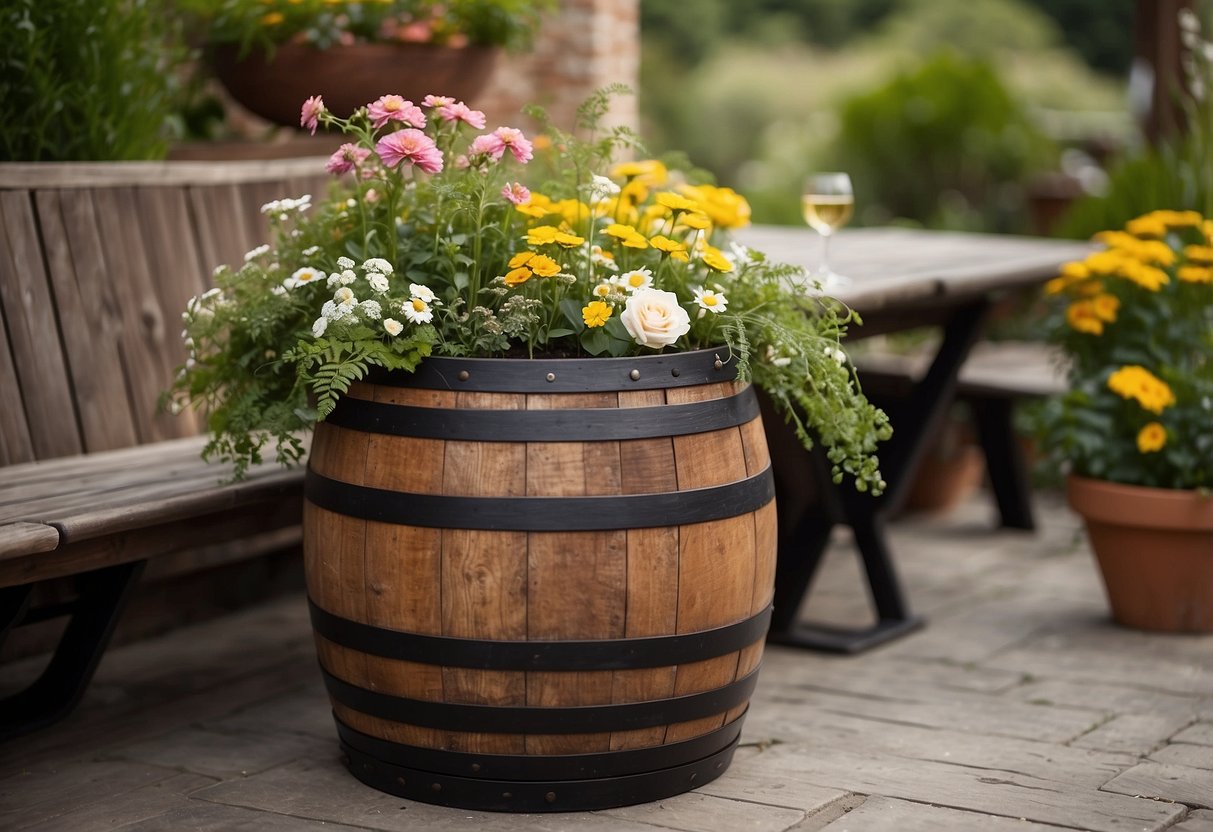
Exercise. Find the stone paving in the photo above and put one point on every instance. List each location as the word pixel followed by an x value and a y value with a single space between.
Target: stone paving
pixel 1019 707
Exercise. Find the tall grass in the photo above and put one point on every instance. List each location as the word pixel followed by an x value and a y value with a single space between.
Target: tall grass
pixel 85 79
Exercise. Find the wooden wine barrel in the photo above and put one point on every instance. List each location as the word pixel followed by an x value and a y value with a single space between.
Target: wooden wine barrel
pixel 541 585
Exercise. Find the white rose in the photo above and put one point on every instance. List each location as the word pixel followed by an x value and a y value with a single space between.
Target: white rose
pixel 654 318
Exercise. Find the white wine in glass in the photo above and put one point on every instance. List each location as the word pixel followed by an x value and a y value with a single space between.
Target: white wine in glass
pixel 827 203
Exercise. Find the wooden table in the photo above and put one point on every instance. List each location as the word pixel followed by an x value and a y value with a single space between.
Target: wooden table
pixel 900 279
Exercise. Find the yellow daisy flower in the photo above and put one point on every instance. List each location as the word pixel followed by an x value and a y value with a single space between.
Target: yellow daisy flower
pixel 595 313
pixel 1151 438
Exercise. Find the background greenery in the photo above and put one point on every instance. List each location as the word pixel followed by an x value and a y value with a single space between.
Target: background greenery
pixel 86 79
pixel 983 94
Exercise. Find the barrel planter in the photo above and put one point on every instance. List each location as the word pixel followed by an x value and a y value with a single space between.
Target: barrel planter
pixel 541 585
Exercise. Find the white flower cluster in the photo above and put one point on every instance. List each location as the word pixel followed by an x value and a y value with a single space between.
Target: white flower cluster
pixel 345 306
pixel 283 208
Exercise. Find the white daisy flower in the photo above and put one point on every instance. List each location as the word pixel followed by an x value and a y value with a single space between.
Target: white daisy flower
pixel 601 188
pixel 417 311
pixel 393 326
pixel 636 279
pixel 379 283
pixel 377 264
pixel 306 275
pixel 319 326
pixel 710 300
pixel 416 290
pixel 371 309
pixel 603 290
pixel 255 253
pixel 310 250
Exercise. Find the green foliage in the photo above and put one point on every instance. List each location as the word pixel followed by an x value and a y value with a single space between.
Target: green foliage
pixel 444 251
pixel 941 145
pixel 1136 324
pixel 1100 30
pixel 86 79
pixel 326 23
pixel 1175 173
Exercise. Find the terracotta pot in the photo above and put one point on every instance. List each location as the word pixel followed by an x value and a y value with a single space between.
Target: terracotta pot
pixel 541 585
pixel 350 76
pixel 1155 552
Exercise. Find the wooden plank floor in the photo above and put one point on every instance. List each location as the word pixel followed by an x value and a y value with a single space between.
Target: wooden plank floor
pixel 1019 707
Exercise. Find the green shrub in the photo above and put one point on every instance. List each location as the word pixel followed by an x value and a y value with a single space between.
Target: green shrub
pixel 944 145
pixel 85 79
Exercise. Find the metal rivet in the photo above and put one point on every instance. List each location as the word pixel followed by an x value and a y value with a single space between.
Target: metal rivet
pixel 718 363
pixel 720 765
pixel 694 776
pixel 475 766
pixel 551 376
pixel 464 375
pixel 550 797
pixel 507 795
pixel 634 375
pixel 437 787
pixel 675 372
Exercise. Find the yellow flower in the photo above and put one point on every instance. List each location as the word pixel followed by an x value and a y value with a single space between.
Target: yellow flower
pixel 541 142
pixel 542 235
pixel 520 259
pixel 713 259
pixel 1150 278
pixel 1148 225
pixel 1081 316
pixel 602 290
pixel 1199 254
pixel 725 207
pixel 538 206
pixel 543 266
pixel 696 220
pixel 516 277
pixel 566 240
pixel 675 249
pixel 272 19
pixel 1105 307
pixel 1139 384
pixel 595 313
pixel 1151 438
pixel 634 192
pixel 1195 274
pixel 648 171
pixel 676 202
pixel 573 211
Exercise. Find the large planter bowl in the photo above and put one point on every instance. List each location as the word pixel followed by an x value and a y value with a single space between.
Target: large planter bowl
pixel 541 585
pixel 275 87
pixel 1154 547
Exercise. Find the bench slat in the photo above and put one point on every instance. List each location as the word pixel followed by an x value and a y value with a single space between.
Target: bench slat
pixel 89 316
pixel 24 538
pixel 46 426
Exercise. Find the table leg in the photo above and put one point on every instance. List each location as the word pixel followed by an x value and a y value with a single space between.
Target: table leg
pixel 805 527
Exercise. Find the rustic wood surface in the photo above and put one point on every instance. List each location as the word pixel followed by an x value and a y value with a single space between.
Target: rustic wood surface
pixel 1020 706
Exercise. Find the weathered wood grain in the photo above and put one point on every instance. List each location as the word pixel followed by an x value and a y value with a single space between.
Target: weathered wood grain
pixel 1181 784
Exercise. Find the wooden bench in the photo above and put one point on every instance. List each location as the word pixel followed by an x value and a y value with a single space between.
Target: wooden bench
pixel 995 379
pixel 97 262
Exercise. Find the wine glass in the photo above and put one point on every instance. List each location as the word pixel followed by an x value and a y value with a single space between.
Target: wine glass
pixel 827 203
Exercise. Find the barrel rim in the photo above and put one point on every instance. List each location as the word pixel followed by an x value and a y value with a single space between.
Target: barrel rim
pixel 565 375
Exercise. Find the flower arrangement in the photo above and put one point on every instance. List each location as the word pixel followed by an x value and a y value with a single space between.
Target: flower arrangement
pixel 432 242
pixel 1135 321
pixel 327 23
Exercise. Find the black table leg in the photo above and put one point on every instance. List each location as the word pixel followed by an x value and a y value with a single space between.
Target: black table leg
pixel 1005 464
pixel 94 614
pixel 915 417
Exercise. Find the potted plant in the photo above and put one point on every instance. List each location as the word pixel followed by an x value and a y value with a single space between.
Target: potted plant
pixel 270 55
pixel 539 528
pixel 1136 322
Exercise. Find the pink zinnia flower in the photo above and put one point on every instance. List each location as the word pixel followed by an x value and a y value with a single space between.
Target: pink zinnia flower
pixel 410 146
pixel 516 193
pixel 309 116
pixel 395 108
pixel 345 158
pixel 458 111
pixel 437 100
pixel 495 144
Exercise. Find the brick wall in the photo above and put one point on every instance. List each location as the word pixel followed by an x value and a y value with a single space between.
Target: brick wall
pixel 581 46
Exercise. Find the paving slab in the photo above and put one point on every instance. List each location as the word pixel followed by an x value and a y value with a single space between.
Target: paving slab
pixel 152 800
pixel 1184 754
pixel 882 814
pixel 1181 784
pixel 1196 822
pixel 1133 733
